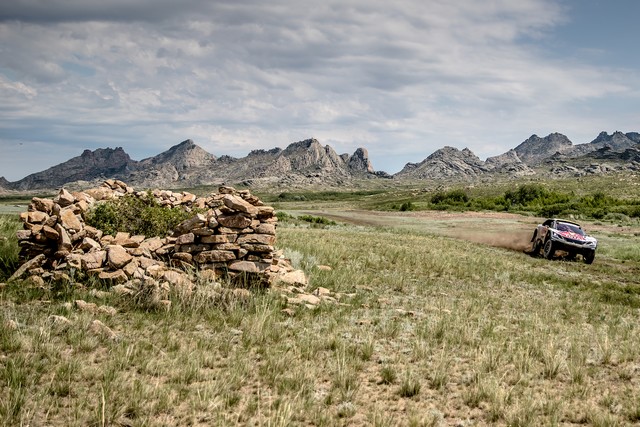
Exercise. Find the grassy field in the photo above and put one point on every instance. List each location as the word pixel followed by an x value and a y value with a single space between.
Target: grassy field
pixel 436 324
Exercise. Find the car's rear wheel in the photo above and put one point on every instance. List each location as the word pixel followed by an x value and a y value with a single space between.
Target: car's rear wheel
pixel 589 256
pixel 549 249
pixel 535 246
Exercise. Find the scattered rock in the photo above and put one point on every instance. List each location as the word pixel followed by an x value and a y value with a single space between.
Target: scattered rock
pixel 10 325
pixel 241 294
pixel 106 309
pixel 288 311
pixel 59 321
pixel 320 292
pixel 36 281
pixel 309 299
pixel 82 305
pixel 102 330
pixel 296 277
pixel 98 294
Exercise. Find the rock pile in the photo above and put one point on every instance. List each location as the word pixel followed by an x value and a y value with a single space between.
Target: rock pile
pixel 235 236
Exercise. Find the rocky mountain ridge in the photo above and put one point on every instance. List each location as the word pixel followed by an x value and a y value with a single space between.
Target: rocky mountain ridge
pixel 308 162
pixel 188 165
pixel 551 156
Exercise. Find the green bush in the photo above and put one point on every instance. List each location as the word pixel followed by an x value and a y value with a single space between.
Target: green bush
pixel 291 197
pixel 407 206
pixel 9 249
pixel 526 194
pixel 136 215
pixel 616 217
pixel 316 220
pixel 452 197
pixel 283 216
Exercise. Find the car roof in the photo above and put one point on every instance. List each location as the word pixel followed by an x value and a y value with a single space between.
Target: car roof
pixel 567 222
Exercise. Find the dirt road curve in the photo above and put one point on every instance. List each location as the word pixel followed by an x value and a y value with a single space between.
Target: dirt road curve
pixel 498 229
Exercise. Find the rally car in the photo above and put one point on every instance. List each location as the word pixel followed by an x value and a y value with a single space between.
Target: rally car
pixel 561 235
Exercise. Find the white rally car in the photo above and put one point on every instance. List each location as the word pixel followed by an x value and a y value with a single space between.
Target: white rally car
pixel 561 235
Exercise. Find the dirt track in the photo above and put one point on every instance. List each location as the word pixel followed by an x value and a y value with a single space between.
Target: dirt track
pixel 516 240
pixel 499 229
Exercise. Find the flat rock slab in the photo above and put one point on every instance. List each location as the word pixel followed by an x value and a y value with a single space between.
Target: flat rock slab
pixel 248 266
pixel 214 256
pixel 118 256
pixel 239 204
pixel 34 262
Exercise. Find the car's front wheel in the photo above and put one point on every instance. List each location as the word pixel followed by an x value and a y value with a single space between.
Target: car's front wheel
pixel 589 256
pixel 549 249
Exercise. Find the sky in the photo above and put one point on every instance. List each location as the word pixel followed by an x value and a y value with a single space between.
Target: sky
pixel 401 79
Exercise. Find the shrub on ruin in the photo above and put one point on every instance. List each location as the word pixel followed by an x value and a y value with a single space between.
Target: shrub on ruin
pixel 136 215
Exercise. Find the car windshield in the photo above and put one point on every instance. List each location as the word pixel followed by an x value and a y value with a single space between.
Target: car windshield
pixel 563 226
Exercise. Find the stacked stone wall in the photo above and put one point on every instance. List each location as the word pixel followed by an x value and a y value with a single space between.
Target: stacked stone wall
pixel 235 235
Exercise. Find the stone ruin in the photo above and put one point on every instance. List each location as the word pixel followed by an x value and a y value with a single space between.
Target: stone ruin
pixel 235 237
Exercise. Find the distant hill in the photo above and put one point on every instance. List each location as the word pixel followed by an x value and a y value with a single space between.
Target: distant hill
pixel 90 165
pixel 536 149
pixel 306 163
pixel 186 164
pixel 447 162
pixel 551 156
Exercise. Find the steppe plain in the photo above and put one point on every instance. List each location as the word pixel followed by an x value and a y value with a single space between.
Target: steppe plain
pixel 440 319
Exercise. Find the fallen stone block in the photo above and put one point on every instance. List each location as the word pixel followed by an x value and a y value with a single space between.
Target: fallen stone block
pixel 37 261
pixel 102 330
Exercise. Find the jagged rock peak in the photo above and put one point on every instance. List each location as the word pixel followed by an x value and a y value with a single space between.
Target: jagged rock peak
pixel 359 161
pixel 104 152
pixel 509 157
pixel 614 139
pixel 447 162
pixel 183 156
pixel 508 163
pixel 605 137
pixel 602 136
pixel 448 152
pixel 261 152
pixel 634 136
pixel 304 145
pixel 309 155
pixel 536 149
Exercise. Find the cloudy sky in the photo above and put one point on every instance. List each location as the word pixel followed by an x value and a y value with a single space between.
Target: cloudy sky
pixel 400 78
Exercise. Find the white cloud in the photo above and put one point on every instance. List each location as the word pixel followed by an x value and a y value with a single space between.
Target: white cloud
pixel 401 79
